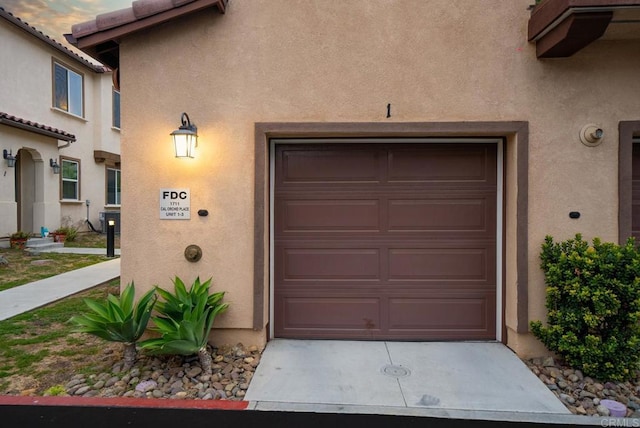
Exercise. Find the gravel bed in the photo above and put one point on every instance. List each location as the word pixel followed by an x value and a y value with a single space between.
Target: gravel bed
pixel 583 395
pixel 174 377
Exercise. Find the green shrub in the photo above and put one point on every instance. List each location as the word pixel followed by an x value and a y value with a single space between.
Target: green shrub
pixel 118 319
pixel 70 232
pixel 185 321
pixel 593 306
pixel 20 235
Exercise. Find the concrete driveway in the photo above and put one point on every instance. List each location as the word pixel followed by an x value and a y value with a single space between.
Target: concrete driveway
pixel 467 376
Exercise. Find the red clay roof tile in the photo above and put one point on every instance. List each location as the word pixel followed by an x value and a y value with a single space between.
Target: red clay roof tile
pixel 107 29
pixel 18 122
pixel 139 10
pixel 115 19
pixel 144 8
pixel 84 28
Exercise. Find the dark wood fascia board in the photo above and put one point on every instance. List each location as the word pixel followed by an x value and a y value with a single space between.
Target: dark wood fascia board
pixel 573 34
pixel 561 28
pixel 549 11
pixel 109 51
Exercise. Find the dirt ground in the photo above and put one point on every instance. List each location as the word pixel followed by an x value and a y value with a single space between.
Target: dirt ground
pixel 56 369
pixel 39 349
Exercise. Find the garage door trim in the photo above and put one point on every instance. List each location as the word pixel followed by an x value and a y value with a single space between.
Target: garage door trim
pixel 401 140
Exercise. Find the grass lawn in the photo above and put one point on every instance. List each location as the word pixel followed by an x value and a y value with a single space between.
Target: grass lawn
pixel 24 268
pixel 92 240
pixel 38 349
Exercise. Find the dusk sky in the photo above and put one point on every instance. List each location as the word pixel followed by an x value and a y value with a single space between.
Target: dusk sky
pixel 55 17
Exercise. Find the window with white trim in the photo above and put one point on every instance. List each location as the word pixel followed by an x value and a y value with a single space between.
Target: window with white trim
pixel 115 113
pixel 70 179
pixel 68 90
pixel 113 186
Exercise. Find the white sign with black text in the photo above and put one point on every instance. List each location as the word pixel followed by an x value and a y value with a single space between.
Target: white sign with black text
pixel 175 204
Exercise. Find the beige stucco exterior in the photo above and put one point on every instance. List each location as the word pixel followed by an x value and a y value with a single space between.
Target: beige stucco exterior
pixel 344 61
pixel 26 90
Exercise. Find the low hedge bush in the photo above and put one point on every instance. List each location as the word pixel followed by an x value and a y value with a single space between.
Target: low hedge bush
pixel 593 306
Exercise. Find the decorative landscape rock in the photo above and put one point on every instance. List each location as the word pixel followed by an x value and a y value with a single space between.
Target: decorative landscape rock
pixel 583 395
pixel 234 367
pixel 174 377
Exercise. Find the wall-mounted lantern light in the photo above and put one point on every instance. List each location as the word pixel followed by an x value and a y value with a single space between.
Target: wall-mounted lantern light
pixel 185 138
pixel 11 160
pixel 54 164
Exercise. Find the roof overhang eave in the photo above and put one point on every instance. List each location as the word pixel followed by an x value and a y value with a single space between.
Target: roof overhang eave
pixel 30 128
pixel 560 28
pixel 92 42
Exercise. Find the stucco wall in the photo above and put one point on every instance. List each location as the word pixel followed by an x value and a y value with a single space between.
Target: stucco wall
pixel 343 61
pixel 26 92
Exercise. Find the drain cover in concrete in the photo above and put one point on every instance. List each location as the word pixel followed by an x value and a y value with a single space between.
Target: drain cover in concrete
pixel 395 371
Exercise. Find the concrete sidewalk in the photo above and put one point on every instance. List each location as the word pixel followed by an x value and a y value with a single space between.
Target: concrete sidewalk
pixel 467 380
pixel 26 297
pixel 73 250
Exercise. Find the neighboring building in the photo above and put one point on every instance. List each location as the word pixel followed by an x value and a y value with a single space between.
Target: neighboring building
pixel 373 169
pixel 56 108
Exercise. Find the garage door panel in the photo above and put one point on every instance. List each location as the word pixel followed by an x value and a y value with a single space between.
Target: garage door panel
pixel 330 264
pixel 317 312
pixel 461 263
pixel 407 318
pixel 449 214
pixel 439 264
pixel 473 312
pixel 465 213
pixel 329 166
pixel 441 163
pixel 385 241
pixel 340 215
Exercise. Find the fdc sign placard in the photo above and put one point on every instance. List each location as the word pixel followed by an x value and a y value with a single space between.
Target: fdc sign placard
pixel 175 204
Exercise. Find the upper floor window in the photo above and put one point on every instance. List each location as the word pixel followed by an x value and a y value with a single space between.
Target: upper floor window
pixel 67 90
pixel 115 121
pixel 70 179
pixel 113 186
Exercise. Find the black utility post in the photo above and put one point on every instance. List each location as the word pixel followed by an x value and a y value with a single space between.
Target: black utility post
pixel 111 229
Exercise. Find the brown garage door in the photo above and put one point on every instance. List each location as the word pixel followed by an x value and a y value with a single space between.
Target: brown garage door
pixel 385 241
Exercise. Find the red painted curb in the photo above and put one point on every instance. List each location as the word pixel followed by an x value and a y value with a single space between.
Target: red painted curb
pixel 10 400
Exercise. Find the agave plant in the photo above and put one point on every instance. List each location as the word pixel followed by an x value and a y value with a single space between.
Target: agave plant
pixel 176 304
pixel 185 321
pixel 118 319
